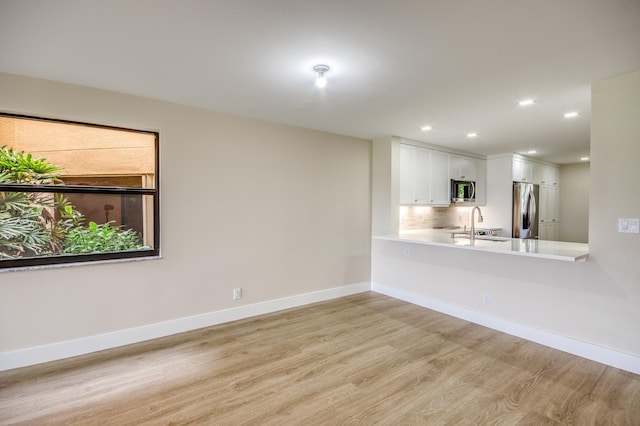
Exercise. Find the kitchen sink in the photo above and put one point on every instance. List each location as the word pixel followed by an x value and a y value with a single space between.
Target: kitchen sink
pixel 481 237
pixel 492 238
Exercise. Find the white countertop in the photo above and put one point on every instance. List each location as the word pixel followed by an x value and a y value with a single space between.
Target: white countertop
pixel 557 250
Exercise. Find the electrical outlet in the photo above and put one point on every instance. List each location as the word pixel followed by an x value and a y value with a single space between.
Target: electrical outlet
pixel 486 299
pixel 407 252
pixel 237 293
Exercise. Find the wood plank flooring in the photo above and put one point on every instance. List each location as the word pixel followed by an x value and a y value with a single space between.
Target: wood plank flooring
pixel 364 359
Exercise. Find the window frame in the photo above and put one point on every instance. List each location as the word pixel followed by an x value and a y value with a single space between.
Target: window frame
pixel 63 259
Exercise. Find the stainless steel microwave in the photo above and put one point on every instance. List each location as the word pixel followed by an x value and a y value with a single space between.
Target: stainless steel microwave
pixel 463 191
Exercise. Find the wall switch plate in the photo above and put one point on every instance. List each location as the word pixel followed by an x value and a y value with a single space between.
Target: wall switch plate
pixel 629 225
pixel 407 252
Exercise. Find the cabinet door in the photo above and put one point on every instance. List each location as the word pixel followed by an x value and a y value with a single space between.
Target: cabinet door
pixel 554 204
pixel 538 173
pixel 544 231
pixel 522 170
pixel 439 178
pixel 549 232
pixel 544 205
pixel 552 176
pixel 415 171
pixel 423 172
pixel 462 168
pixel 549 204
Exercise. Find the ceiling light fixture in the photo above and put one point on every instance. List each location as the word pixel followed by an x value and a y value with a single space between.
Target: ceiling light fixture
pixel 584 158
pixel 571 114
pixel 526 102
pixel 321 80
pixel 425 128
pixel 531 151
pixel 472 135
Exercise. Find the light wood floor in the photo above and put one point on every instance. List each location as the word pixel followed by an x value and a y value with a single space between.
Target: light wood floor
pixel 364 359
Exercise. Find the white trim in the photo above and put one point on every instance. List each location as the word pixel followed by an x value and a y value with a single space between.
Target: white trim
pixel 84 345
pixel 70 348
pixel 582 349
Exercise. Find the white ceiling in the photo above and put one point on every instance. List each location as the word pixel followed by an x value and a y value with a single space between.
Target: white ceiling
pixel 458 65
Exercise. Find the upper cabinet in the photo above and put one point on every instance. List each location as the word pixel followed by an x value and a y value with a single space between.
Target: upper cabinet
pixel 425 175
pixel 462 168
pixel 522 170
pixel 408 165
pixel 440 187
pixel 532 172
pixel 549 175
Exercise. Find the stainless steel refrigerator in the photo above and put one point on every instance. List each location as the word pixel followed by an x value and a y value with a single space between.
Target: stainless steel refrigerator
pixel 525 210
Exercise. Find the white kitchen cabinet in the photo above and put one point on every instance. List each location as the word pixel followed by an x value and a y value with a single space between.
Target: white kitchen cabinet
pixel 424 176
pixel 550 176
pixel 549 231
pixel 545 174
pixel 522 170
pixel 549 213
pixel 538 173
pixel 439 178
pixel 411 191
pixel 531 172
pixel 407 173
pixel 549 204
pixel 462 168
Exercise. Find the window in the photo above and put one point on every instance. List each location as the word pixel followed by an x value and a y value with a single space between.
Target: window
pixel 75 192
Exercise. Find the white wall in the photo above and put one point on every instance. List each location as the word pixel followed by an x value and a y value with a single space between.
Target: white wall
pixel 276 210
pixel 574 202
pixel 597 301
pixel 385 197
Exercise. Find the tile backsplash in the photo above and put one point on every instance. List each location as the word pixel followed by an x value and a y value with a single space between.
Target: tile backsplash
pixel 414 218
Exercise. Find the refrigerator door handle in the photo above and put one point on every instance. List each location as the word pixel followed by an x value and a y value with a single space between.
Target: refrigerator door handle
pixel 525 210
pixel 532 208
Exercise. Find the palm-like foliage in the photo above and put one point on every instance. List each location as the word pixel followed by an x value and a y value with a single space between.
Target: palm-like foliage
pixel 28 224
pixel 27 218
pixel 20 168
pixel 23 235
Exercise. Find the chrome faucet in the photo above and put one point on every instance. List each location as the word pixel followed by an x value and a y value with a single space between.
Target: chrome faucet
pixel 472 233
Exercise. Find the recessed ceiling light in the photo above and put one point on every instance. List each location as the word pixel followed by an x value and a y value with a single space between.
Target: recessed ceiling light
pixel 472 135
pixel 526 102
pixel 531 151
pixel 571 114
pixel 425 128
pixel 584 158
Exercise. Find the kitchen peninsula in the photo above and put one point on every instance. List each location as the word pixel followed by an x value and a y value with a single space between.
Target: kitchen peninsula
pixel 557 250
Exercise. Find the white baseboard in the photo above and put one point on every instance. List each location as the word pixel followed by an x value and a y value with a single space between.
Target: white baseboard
pixel 70 348
pixel 590 351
